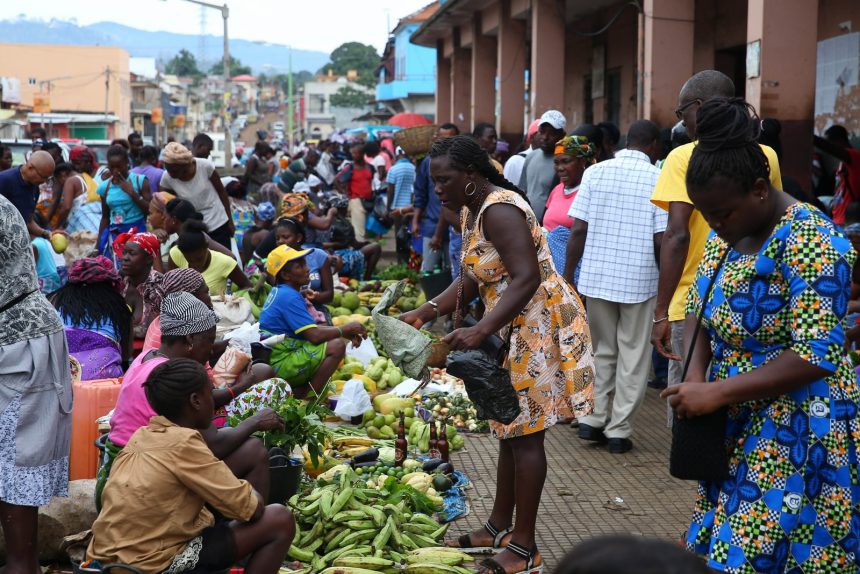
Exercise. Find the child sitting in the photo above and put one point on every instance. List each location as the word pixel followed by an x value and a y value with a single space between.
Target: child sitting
pixel 309 353
pixel 154 514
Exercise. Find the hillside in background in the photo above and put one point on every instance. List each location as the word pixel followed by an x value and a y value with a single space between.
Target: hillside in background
pixel 261 56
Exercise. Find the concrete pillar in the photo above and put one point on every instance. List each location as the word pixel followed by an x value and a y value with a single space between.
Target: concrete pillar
pixel 483 74
pixel 668 38
pixel 546 76
pixel 785 86
pixel 443 86
pixel 511 58
pixel 461 85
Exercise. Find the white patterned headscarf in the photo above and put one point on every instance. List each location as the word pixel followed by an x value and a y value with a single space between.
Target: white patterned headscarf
pixel 184 314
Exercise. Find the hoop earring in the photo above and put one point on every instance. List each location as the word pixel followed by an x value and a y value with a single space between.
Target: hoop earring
pixel 474 189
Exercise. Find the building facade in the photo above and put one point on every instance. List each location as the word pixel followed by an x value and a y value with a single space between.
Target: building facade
pixel 321 119
pixel 511 60
pixel 80 91
pixel 407 74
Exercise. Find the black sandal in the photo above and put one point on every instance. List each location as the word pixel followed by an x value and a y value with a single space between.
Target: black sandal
pixel 521 552
pixel 465 541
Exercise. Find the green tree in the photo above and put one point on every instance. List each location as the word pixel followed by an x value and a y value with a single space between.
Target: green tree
pixel 183 64
pixel 354 56
pixel 236 68
pixel 349 97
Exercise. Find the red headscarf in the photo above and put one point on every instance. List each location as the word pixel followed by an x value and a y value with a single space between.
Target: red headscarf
pixel 78 152
pixel 147 241
pixel 89 270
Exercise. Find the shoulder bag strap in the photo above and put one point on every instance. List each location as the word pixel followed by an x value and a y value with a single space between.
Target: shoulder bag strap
pixel 701 313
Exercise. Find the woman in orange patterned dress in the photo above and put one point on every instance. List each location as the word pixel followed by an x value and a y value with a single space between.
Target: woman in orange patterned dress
pixel 507 263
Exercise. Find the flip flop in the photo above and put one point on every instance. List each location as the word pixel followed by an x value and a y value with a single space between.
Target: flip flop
pixel 520 551
pixel 465 541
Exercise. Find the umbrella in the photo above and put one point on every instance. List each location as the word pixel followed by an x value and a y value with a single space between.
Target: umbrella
pixel 408 120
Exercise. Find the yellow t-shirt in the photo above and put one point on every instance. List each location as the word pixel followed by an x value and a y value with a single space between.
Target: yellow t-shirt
pixel 220 267
pixel 672 186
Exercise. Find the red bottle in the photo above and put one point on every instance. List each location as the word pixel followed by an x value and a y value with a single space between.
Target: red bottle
pixel 442 443
pixel 400 443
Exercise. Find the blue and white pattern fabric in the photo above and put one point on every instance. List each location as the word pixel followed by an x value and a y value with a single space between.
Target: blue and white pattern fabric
pixel 618 262
pixel 792 499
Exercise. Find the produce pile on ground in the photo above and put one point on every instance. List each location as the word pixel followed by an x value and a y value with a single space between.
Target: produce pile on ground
pixel 381 373
pixel 351 524
pixel 458 408
pixel 383 420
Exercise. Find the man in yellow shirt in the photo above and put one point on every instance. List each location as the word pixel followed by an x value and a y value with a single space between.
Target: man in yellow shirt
pixel 684 240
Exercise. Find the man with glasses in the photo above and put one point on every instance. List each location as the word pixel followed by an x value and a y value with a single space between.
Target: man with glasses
pixel 683 242
pixel 21 187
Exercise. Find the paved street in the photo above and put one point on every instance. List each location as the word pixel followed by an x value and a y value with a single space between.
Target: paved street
pixel 584 485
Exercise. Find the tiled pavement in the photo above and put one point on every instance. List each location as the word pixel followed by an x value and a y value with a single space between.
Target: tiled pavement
pixel 589 491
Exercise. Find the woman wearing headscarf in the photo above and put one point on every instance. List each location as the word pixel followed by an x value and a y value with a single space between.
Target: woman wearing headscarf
pixel 137 253
pixel 573 154
pixel 196 180
pixel 35 396
pixel 85 211
pixel 188 332
pixel 96 317
pixel 355 259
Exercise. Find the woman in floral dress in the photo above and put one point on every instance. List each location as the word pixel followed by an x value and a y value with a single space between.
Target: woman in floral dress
pixel 772 329
pixel 507 263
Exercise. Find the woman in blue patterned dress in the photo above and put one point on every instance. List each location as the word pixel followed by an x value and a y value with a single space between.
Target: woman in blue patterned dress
pixel 773 321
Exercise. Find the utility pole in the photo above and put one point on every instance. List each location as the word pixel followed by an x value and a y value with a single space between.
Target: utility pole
pixel 290 109
pixel 107 92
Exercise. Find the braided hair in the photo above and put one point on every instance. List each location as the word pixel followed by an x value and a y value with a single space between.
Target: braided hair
pixel 466 155
pixel 91 305
pixel 728 130
pixel 170 384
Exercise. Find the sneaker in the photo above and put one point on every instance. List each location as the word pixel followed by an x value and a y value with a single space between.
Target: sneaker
pixel 590 433
pixel 620 445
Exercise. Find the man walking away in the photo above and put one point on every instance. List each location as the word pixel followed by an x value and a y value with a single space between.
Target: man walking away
pixel 514 166
pixel 538 175
pixel 617 233
pixel 686 232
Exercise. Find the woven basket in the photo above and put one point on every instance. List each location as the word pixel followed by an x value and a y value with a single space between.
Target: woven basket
pixel 416 140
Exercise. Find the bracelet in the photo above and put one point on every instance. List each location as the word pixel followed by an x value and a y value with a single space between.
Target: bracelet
pixel 435 306
pixel 230 390
pixel 655 321
pixel 340 332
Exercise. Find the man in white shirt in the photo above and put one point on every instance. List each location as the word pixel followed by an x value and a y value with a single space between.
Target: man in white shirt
pixel 538 176
pixel 514 165
pixel 616 233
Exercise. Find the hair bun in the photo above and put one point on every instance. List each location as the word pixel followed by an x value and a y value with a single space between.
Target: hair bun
pixel 726 123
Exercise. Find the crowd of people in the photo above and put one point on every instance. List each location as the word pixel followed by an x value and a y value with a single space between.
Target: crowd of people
pixel 686 247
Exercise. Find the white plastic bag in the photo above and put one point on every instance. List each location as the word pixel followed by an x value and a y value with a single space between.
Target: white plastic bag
pixel 353 400
pixel 243 335
pixel 365 352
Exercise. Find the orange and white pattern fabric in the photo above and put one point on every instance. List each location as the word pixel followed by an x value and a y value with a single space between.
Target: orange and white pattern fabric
pixel 551 359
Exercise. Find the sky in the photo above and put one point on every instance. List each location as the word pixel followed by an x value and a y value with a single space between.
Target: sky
pixel 311 25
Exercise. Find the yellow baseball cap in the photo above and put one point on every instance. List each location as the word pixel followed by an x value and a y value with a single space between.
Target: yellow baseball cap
pixel 282 255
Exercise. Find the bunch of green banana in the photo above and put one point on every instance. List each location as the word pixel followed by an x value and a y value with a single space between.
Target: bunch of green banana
pixel 347 528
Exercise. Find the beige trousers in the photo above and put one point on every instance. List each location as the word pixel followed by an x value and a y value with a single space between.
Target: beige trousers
pixel 620 333
pixel 358 217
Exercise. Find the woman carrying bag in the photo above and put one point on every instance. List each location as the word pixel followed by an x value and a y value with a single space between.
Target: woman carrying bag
pixel 770 295
pixel 506 261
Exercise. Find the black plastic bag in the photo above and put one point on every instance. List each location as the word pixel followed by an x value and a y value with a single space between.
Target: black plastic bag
pixel 488 385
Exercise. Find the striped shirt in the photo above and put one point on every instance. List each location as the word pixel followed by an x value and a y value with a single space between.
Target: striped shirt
pixel 402 176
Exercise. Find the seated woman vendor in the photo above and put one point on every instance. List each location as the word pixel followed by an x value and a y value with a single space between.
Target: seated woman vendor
pixel 136 253
pixel 188 332
pixel 192 250
pixel 155 514
pixel 309 353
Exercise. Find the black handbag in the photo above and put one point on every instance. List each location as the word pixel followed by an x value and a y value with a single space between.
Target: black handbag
pixel 698 450
pixel 487 380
